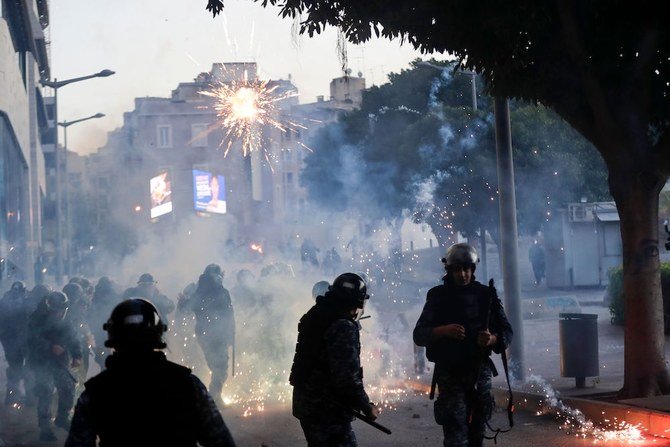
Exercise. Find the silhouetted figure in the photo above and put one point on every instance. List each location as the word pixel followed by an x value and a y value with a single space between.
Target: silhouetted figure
pixel 214 326
pixel 106 296
pixel 14 312
pixel 146 288
pixel 537 261
pixel 53 348
pixel 326 374
pixel 141 398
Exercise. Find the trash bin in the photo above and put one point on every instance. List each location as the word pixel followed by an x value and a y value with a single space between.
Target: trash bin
pixel 578 336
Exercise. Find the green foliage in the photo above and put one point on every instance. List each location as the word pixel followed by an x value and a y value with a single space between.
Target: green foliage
pixel 562 164
pixel 617 302
pixel 436 157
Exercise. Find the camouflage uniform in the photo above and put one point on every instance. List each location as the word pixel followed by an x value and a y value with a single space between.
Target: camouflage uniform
pixel 146 400
pixel 51 370
pixel 461 363
pixel 327 375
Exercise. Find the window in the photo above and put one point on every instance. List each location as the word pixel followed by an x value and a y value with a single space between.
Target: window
pixel 164 136
pixel 198 135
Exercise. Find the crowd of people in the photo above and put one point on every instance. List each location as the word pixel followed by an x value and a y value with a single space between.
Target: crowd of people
pixel 48 336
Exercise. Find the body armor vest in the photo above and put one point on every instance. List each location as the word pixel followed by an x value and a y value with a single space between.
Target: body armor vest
pixel 467 306
pixel 310 345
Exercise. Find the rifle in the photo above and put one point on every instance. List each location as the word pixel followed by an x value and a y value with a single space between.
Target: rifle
pixel 510 404
pixel 473 389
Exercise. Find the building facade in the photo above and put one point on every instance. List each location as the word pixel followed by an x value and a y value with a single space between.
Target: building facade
pixel 154 171
pixel 23 130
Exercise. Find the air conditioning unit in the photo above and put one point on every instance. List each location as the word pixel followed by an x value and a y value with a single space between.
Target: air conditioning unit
pixel 580 212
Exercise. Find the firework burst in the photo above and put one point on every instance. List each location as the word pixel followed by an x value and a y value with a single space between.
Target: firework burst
pixel 245 108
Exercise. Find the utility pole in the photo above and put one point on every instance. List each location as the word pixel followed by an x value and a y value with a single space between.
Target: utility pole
pixel 508 234
pixel 482 229
pixel 64 195
pixel 60 176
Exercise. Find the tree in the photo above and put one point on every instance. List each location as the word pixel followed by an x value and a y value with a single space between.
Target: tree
pixel 602 66
pixel 436 157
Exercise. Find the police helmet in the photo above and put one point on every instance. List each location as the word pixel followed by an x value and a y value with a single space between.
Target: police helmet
pixel 56 302
pixel 213 269
pixel 146 278
pixel 351 288
pixel 135 324
pixel 18 286
pixel 73 291
pixel 461 254
pixel 320 288
pixel 40 291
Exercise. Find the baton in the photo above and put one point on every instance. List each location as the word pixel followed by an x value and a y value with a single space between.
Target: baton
pixel 69 373
pixel 359 415
pixel 369 421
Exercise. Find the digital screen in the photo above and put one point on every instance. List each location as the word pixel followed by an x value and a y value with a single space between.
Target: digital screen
pixel 161 194
pixel 209 192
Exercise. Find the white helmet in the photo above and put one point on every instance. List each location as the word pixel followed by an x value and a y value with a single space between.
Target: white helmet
pixel 461 254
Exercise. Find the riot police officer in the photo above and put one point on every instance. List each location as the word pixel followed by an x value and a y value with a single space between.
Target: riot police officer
pixel 214 325
pixel 147 288
pixel 14 312
pixel 326 374
pixel 319 289
pixel 462 322
pixel 141 398
pixel 53 348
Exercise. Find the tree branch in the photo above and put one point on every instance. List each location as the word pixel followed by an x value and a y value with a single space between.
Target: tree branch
pixel 593 91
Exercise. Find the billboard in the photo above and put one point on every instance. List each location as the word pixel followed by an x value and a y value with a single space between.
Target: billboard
pixel 209 192
pixel 161 194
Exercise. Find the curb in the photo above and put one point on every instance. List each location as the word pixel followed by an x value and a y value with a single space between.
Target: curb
pixel 607 415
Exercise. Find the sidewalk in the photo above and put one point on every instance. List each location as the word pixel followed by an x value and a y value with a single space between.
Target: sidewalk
pixel 545 390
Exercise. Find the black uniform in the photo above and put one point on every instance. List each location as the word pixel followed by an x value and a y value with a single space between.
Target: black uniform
pixel 215 328
pixel 14 311
pixel 51 370
pixel 145 400
pixel 463 369
pixel 105 297
pixel 326 374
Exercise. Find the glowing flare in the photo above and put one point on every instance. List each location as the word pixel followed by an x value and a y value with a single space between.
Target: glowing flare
pixel 243 108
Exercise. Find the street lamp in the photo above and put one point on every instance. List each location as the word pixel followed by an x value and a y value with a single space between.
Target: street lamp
pixel 56 84
pixel 66 189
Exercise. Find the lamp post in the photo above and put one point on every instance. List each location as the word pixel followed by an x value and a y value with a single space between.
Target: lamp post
pixel 55 85
pixel 66 188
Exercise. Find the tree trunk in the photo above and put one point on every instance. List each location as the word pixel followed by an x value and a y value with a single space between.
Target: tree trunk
pixel 636 193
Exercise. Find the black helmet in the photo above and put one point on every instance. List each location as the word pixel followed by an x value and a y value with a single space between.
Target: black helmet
pixel 351 288
pixel 135 324
pixel 56 301
pixel 73 291
pixel 320 288
pixel 40 291
pixel 461 254
pixel 146 278
pixel 18 286
pixel 213 269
